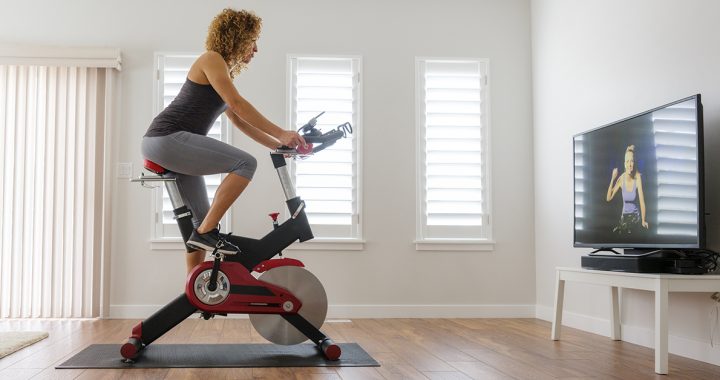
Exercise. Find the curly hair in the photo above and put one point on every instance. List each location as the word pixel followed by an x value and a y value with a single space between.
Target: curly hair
pixel 232 34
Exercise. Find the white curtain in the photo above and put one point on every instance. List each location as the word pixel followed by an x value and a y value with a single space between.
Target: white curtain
pixel 53 188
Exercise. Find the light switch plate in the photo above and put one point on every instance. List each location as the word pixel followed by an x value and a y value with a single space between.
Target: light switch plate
pixel 125 170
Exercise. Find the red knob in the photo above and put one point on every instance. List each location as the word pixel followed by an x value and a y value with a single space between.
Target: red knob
pixel 307 149
pixel 274 216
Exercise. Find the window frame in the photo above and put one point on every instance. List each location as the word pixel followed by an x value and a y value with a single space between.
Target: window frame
pixel 356 242
pixel 159 240
pixel 422 241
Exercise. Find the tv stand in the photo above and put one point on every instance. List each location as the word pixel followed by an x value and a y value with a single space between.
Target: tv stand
pixel 600 250
pixel 660 284
pixel 644 261
pixel 641 252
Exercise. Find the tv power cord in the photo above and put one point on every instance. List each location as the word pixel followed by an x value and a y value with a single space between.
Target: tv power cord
pixel 714 319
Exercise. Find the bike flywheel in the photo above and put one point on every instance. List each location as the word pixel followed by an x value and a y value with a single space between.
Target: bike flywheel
pixel 308 289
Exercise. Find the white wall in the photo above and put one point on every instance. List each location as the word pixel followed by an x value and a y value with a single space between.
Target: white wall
pixel 389 276
pixel 594 62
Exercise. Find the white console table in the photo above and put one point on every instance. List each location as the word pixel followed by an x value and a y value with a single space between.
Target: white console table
pixel 661 284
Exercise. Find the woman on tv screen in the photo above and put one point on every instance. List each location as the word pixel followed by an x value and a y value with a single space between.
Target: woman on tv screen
pixel 630 181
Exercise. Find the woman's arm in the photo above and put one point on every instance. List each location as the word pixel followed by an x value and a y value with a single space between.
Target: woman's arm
pixel 614 185
pixel 254 133
pixel 216 71
pixel 642 200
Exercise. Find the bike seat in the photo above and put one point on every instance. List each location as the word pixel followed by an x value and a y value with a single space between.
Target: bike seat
pixel 155 168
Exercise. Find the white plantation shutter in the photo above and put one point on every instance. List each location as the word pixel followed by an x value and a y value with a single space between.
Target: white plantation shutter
pixel 328 182
pixel 172 70
pixel 452 165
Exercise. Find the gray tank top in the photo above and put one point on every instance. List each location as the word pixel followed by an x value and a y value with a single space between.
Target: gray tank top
pixel 630 199
pixel 193 110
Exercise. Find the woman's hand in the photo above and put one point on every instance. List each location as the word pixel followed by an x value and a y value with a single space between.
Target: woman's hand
pixel 614 174
pixel 291 139
pixel 645 224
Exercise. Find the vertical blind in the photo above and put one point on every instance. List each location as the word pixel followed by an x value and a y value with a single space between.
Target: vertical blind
pixel 328 181
pixel 452 114
pixel 51 189
pixel 172 70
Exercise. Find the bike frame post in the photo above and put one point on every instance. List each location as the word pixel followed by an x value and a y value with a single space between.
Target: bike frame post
pixel 284 174
pixel 174 192
pixel 183 215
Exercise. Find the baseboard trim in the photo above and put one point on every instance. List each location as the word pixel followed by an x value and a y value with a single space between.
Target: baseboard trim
pixel 643 336
pixel 373 311
pixel 431 311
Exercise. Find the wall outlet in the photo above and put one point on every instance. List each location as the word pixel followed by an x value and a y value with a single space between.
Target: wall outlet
pixel 124 170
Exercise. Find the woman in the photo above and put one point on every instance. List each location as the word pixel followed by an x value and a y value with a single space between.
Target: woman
pixel 177 137
pixel 632 192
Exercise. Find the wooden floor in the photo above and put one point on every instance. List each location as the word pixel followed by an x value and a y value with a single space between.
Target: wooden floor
pixel 406 348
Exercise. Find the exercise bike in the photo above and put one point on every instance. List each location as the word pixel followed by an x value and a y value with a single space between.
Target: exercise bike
pixel 286 303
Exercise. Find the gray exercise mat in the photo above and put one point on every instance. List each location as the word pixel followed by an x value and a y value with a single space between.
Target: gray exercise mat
pixel 219 356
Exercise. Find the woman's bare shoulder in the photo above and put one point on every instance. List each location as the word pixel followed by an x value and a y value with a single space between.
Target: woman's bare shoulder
pixel 206 62
pixel 211 55
pixel 209 59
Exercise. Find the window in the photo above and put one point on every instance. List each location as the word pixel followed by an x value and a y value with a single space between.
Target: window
pixel 329 181
pixel 453 125
pixel 172 70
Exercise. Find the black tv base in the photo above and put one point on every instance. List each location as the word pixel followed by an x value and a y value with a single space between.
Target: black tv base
pixel 660 263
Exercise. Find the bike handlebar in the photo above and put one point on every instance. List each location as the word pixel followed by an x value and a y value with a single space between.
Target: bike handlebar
pixel 326 138
pixel 314 136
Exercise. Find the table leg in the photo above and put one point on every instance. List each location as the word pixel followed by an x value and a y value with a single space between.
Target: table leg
pixel 661 327
pixel 615 308
pixel 559 294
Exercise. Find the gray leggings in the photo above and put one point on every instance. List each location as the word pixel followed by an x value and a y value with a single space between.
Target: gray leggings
pixel 190 156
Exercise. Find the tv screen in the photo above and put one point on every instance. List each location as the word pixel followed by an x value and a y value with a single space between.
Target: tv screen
pixel 639 181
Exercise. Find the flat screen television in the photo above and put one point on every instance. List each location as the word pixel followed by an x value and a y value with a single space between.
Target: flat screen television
pixel 639 181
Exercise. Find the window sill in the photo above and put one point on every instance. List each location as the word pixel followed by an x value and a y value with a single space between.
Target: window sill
pixel 176 244
pixel 319 244
pixel 167 244
pixel 454 245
